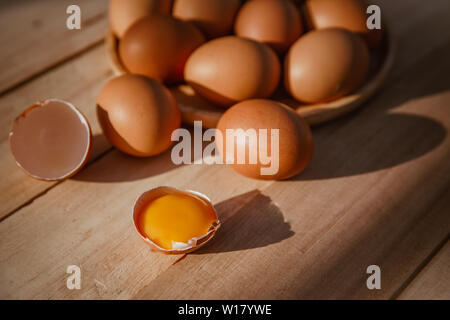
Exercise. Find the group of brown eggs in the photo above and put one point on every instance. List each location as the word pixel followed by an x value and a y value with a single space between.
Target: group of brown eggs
pixel 230 53
pixel 324 45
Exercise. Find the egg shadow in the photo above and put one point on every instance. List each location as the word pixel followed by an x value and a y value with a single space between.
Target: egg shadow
pixel 389 140
pixel 212 95
pixel 116 166
pixel 376 136
pixel 250 220
pixel 113 165
pixel 100 146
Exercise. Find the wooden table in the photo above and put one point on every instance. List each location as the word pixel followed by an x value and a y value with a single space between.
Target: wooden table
pixel 376 193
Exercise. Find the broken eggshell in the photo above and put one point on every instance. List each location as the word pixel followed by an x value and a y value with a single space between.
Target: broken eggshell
pixel 50 140
pixel 181 248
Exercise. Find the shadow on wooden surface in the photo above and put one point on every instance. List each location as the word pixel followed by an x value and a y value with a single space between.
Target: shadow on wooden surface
pixel 250 220
pixel 122 167
pixel 403 238
pixel 378 136
pixel 390 140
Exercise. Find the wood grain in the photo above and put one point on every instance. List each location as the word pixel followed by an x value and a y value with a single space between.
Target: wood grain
pixel 34 35
pixel 433 283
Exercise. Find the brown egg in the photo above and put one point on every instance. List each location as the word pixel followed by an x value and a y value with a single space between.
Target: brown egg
pixel 347 14
pixel 50 140
pixel 122 14
pixel 158 47
pixel 213 17
pixel 295 141
pixel 137 115
pixel 231 69
pixel 174 221
pixel 274 22
pixel 325 65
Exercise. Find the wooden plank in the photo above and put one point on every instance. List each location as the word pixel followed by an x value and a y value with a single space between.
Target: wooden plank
pixel 333 268
pixel 88 222
pixel 376 193
pixel 34 35
pixel 78 82
pixel 433 282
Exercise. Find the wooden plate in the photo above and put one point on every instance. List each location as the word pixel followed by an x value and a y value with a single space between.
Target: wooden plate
pixel 193 107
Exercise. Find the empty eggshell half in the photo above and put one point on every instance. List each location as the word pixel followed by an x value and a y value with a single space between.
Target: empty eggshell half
pixel 50 140
pixel 179 247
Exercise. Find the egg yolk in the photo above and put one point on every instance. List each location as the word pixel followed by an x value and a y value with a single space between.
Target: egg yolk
pixel 176 218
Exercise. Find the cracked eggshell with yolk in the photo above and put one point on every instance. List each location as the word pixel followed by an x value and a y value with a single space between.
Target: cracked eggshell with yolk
pixel 145 199
pixel 50 140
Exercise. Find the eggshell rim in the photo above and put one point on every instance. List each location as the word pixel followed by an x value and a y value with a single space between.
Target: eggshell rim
pixel 199 241
pixel 83 120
